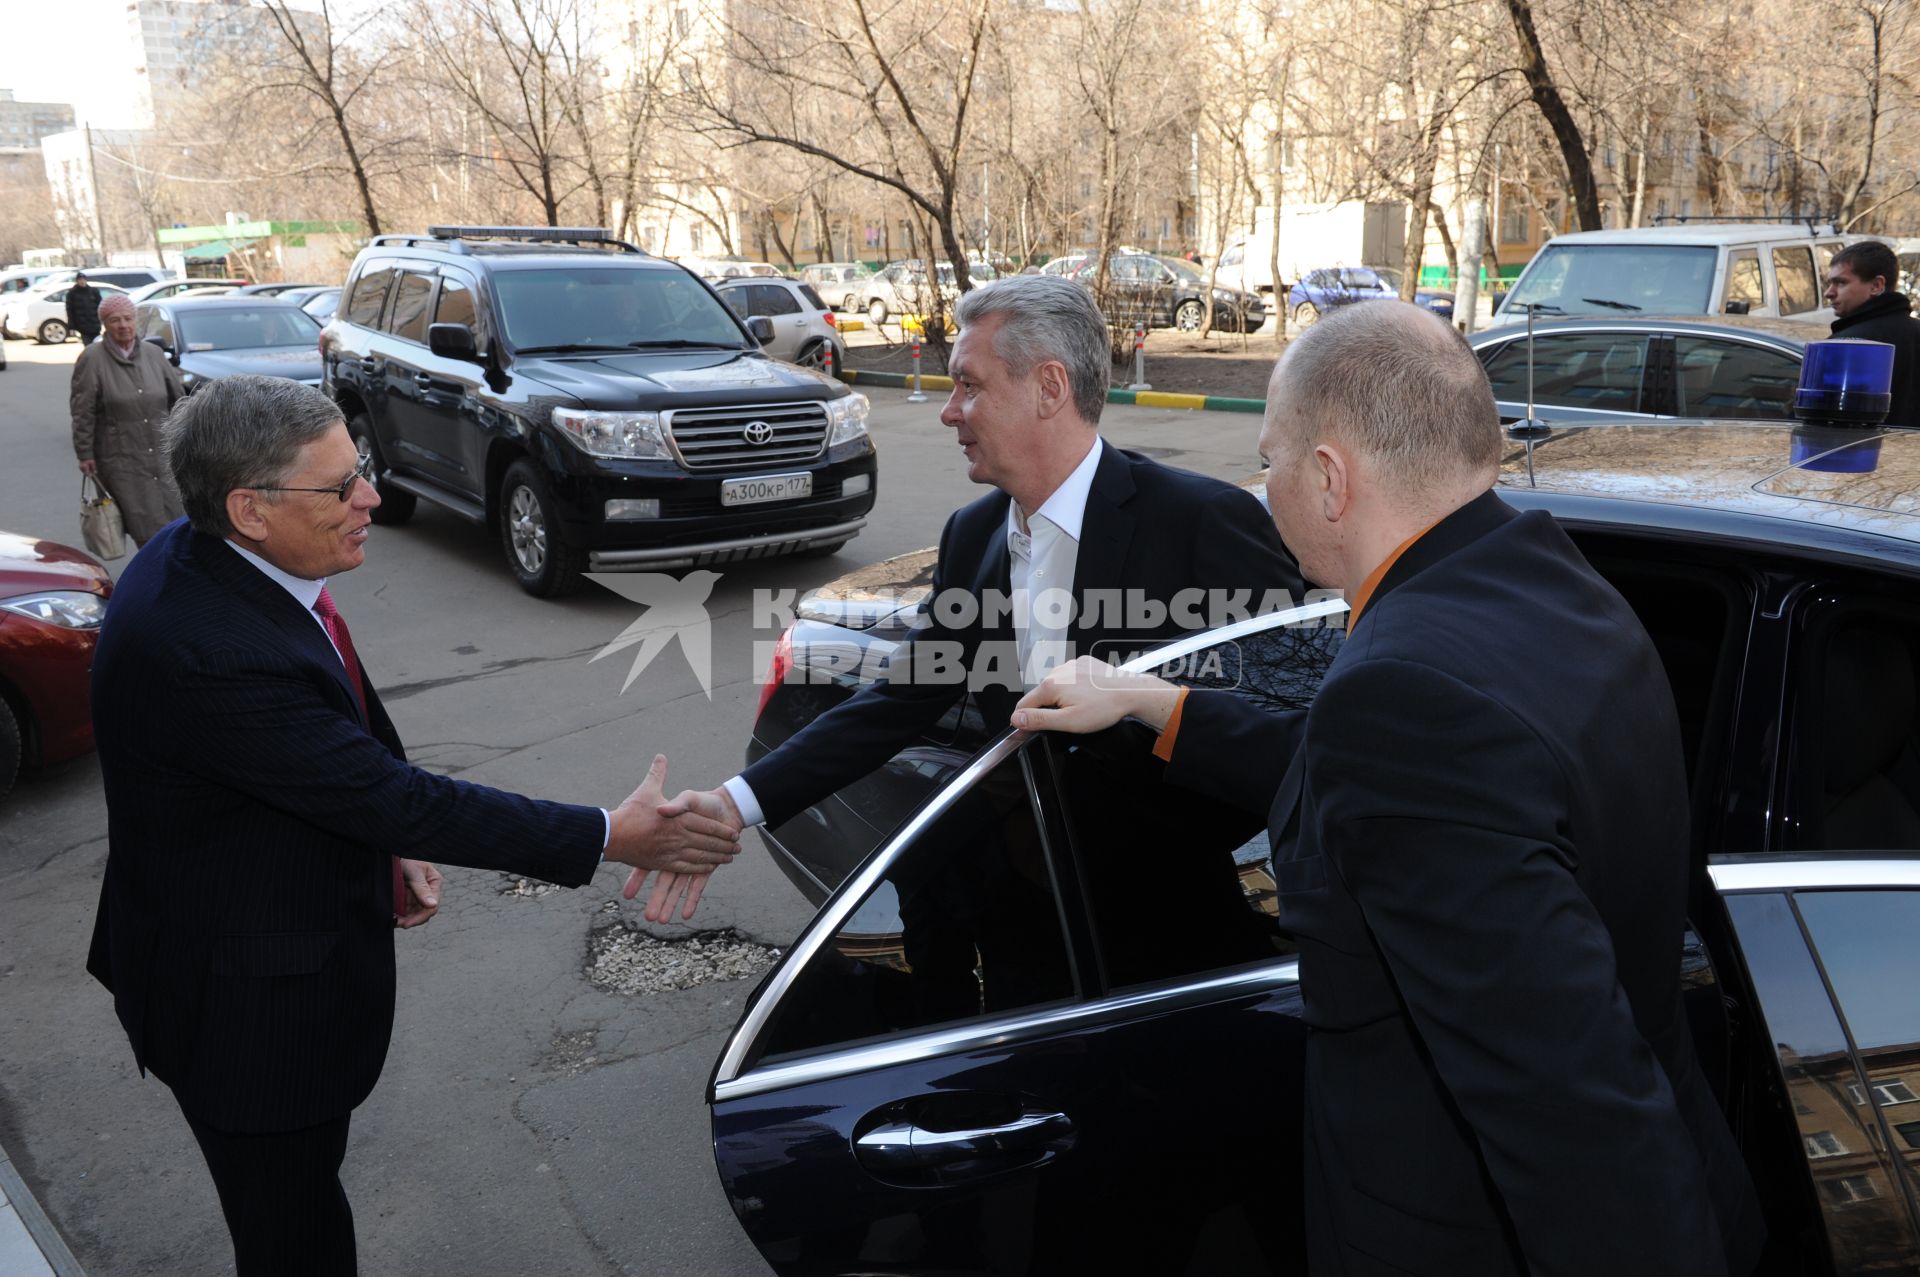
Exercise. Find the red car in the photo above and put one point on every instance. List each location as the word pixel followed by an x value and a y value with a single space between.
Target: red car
pixel 52 600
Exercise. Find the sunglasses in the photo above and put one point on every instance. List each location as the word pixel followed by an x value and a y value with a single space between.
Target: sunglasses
pixel 363 470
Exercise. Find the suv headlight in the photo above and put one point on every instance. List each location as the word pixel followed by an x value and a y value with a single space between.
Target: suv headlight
pixel 849 417
pixel 68 609
pixel 614 434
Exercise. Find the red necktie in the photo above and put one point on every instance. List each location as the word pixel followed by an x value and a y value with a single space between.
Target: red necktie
pixel 343 642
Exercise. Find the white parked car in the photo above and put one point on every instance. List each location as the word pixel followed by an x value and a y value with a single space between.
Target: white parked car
pixel 1753 268
pixel 180 287
pixel 41 313
pixel 803 325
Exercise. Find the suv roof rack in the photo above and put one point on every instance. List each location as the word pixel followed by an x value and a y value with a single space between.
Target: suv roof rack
pixel 453 238
pixel 1814 222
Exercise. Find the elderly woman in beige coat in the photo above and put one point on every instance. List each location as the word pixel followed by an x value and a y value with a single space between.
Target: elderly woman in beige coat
pixel 122 391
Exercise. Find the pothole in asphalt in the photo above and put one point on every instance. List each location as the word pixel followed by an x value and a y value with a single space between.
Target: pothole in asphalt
pixel 512 886
pixel 626 960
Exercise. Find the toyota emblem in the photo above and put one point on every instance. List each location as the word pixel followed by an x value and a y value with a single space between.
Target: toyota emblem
pixel 757 433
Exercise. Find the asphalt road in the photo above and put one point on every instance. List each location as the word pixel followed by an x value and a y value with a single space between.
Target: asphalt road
pixel 528 1121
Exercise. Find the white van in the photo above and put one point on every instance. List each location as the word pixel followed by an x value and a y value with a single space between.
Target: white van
pixel 1751 268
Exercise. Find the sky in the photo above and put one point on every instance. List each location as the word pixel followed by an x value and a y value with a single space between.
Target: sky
pixel 44 47
pixel 43 43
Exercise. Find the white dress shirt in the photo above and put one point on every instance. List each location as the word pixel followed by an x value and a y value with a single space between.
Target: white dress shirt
pixel 307 594
pixel 1043 549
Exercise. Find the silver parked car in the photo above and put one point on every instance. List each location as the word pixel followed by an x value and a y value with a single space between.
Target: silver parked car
pixel 838 282
pixel 804 331
pixel 904 288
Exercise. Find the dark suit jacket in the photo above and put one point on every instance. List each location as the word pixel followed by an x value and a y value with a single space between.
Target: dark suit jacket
pixel 1480 842
pixel 245 925
pixel 1147 528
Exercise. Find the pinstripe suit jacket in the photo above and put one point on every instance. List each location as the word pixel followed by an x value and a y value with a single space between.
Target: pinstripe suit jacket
pixel 245 922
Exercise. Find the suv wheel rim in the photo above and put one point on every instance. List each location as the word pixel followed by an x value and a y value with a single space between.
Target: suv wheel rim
pixel 528 530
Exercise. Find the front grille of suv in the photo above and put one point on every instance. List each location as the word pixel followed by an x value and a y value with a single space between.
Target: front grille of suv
pixel 712 438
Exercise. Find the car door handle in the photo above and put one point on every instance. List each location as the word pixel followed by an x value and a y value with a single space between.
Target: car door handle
pixel 423 379
pixel 908 1146
pixel 369 365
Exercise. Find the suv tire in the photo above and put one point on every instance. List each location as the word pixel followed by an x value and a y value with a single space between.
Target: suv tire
pixel 537 550
pixel 52 333
pixel 395 507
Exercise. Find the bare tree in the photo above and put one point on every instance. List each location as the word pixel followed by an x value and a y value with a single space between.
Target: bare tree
pixel 1553 108
pixel 904 73
pixel 314 62
pixel 518 62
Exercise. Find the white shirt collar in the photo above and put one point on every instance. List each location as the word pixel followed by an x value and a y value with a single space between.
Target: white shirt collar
pixel 1066 509
pixel 307 592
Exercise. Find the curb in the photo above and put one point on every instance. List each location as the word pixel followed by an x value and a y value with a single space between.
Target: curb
pixel 1140 398
pixel 39 1229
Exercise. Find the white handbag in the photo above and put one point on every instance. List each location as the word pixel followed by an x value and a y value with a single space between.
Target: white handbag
pixel 100 521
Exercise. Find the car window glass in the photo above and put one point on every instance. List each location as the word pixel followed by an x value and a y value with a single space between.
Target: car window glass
pixel 813 299
pixel 1217 909
pixel 1572 370
pixel 1743 279
pixel 455 305
pixel 1233 256
pixel 1617 279
pixel 409 318
pixel 369 296
pixel 1716 378
pixel 159 325
pixel 772 299
pixel 1360 279
pixel 1793 277
pixel 246 327
pixel 964 924
pixel 1855 1178
pixel 1823 259
pixel 739 300
pixel 606 305
pixel 1854 763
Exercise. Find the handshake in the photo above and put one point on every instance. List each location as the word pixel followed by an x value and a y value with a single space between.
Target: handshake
pixel 680 841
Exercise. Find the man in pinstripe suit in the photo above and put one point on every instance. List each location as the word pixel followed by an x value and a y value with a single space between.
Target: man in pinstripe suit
pixel 259 805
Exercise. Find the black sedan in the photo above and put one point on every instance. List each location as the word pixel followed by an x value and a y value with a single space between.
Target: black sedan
pixel 1012 1041
pixel 1607 369
pixel 208 337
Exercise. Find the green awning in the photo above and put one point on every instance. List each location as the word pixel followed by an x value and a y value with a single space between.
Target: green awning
pixel 218 251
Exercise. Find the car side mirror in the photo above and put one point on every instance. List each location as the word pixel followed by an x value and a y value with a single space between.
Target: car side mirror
pixel 1739 308
pixel 452 341
pixel 762 329
pixel 173 356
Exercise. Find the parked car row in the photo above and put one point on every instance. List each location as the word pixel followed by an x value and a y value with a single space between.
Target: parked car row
pixel 41 311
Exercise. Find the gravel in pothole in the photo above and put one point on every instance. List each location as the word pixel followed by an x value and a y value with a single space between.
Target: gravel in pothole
pixel 629 961
pixel 509 885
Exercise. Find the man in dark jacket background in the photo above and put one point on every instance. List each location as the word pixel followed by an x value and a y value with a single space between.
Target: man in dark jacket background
pixel 83 310
pixel 1867 308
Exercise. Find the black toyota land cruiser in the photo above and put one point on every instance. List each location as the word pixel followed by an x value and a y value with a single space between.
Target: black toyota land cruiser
pixel 599 408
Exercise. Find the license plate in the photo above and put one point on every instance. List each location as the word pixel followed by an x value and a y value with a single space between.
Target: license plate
pixel 772 487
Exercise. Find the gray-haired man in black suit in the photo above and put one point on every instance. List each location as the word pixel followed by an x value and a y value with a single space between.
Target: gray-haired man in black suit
pixel 266 834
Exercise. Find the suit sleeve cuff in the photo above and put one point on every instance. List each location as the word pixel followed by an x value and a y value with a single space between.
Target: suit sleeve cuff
pixel 1163 746
pixel 749 806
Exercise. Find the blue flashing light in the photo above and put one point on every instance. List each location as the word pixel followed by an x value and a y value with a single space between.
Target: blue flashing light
pixel 1845 382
